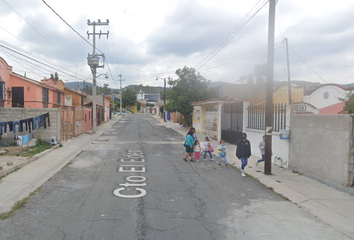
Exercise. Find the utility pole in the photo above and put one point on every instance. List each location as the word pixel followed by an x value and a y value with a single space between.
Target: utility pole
pixel 288 70
pixel 269 90
pixel 93 62
pixel 121 93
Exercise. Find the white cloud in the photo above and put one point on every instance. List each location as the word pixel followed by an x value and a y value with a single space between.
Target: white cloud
pixel 154 38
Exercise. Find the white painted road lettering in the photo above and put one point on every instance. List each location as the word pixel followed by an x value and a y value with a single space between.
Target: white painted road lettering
pixel 132 168
pixel 132 182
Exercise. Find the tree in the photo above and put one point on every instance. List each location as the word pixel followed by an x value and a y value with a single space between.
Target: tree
pixel 129 98
pixel 349 103
pixel 189 87
pixel 55 77
pixel 105 89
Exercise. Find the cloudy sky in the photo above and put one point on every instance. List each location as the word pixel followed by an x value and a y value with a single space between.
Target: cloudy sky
pixel 150 38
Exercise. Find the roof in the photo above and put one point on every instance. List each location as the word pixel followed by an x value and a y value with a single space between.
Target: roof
pixel 311 90
pixel 74 91
pixel 35 82
pixel 217 100
pixel 333 109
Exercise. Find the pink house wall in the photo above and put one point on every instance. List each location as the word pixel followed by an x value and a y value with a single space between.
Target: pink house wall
pixel 33 90
pixel 88 119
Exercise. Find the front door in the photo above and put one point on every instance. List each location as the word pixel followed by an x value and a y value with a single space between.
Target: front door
pixel 18 99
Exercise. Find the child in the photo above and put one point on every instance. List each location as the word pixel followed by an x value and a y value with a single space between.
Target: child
pixel 207 146
pixel 197 150
pixel 222 153
pixel 243 152
pixel 262 148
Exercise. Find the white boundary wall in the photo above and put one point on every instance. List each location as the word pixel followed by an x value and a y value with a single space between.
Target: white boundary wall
pixel 280 148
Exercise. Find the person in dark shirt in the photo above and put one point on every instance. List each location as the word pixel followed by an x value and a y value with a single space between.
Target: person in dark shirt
pixel 243 152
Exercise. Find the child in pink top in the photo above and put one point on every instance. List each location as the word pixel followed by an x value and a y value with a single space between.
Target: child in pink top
pixel 197 150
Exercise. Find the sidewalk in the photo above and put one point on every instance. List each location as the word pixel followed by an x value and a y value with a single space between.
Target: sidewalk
pixel 19 184
pixel 327 204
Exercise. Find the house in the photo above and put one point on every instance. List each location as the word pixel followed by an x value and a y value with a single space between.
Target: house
pixel 74 98
pixel 326 98
pixel 208 117
pixel 19 91
pixel 103 106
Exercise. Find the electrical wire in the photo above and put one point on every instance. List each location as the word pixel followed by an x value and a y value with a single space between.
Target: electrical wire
pixel 238 27
pixel 37 31
pixel 35 60
pixel 222 45
pixel 87 40
pixel 312 69
pixel 69 25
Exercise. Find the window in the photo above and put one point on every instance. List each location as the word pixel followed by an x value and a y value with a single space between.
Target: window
pixel 326 95
pixel 2 90
pixel 59 98
pixel 45 95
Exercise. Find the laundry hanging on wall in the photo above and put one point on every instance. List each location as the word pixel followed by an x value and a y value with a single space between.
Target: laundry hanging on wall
pixel 29 124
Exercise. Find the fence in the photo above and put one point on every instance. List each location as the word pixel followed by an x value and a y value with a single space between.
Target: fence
pixel 256 117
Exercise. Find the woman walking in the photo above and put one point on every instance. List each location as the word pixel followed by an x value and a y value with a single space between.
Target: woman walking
pixel 189 144
pixel 243 152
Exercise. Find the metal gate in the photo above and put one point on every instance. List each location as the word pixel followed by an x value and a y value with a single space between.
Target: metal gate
pixel 232 122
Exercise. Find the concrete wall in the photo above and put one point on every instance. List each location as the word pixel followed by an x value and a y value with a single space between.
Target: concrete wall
pixel 15 114
pixel 322 147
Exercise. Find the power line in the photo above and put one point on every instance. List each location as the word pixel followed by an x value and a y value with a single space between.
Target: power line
pixel 87 40
pixel 308 65
pixel 69 25
pixel 236 31
pixel 37 31
pixel 228 37
pixel 35 60
pixel 43 58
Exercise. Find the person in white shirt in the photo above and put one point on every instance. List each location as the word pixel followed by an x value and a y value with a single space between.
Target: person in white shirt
pixel 262 149
pixel 207 148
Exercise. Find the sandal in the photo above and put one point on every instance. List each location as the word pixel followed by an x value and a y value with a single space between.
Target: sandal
pixel 184 159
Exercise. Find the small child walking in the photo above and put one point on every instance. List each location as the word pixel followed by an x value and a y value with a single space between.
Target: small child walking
pixel 197 150
pixel 261 147
pixel 222 153
pixel 207 148
pixel 243 152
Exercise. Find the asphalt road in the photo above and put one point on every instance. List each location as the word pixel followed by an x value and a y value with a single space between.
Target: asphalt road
pixel 131 183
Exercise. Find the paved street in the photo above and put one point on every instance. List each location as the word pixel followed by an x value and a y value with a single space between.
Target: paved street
pixel 131 183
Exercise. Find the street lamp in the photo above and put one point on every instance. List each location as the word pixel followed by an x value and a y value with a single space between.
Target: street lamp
pixel 164 95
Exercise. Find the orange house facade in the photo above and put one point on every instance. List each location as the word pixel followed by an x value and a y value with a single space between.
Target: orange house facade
pixel 19 91
pixel 74 98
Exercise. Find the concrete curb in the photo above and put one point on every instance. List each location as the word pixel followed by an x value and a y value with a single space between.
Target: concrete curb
pixel 13 168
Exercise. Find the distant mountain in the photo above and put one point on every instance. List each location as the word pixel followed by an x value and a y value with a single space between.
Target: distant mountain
pixel 136 88
pixel 77 85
